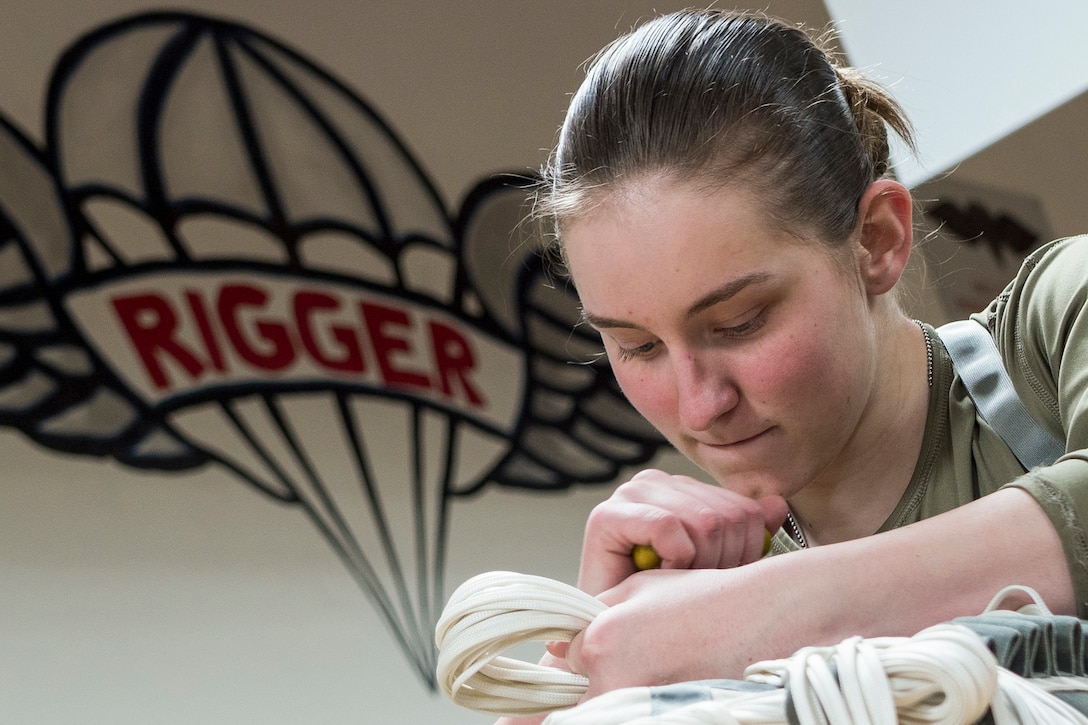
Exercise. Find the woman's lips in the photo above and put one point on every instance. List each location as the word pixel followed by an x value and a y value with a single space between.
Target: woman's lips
pixel 735 442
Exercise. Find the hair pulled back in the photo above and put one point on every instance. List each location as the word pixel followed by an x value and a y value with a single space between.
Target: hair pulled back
pixel 721 99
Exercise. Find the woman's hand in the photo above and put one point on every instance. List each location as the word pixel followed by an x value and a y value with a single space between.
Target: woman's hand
pixel 672 626
pixel 690 524
pixel 669 626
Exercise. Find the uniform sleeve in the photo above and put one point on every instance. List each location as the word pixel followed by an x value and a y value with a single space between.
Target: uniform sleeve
pixel 1040 324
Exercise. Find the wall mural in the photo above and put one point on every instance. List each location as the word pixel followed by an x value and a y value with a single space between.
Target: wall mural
pixel 223 256
pixel 973 239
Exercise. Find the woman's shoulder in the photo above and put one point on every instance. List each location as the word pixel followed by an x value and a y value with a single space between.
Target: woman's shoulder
pixel 1058 252
pixel 1051 284
pixel 1040 321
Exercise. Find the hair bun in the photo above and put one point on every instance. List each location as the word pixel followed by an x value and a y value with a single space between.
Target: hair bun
pixel 874 111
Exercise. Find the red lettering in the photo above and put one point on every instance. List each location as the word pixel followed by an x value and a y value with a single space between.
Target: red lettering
pixel 306 305
pixel 379 319
pixel 453 358
pixel 220 329
pixel 272 335
pixel 200 314
pixel 151 324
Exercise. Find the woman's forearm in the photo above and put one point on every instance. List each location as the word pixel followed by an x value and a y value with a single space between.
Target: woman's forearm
pixel 674 626
pixel 951 565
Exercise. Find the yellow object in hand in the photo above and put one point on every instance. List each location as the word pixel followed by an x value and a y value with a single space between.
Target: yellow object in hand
pixel 645 557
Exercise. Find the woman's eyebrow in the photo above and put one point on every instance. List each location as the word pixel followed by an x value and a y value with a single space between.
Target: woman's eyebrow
pixel 716 296
pixel 726 291
pixel 602 323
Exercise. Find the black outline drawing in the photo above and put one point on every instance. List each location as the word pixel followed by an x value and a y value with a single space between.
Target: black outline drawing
pixel 574 426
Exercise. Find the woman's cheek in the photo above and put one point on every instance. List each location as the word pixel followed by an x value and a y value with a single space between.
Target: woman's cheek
pixel 649 392
pixel 810 370
pixel 787 364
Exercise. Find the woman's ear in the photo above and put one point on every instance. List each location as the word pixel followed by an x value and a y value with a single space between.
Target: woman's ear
pixel 886 233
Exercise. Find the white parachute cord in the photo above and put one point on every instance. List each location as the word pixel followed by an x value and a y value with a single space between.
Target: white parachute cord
pixel 495 611
pixel 1037 607
pixel 944 674
pixel 1026 701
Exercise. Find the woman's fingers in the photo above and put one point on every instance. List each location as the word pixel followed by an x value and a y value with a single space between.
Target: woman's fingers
pixel 615 528
pixel 689 524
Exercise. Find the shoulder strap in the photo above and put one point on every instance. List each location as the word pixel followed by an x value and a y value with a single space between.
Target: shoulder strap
pixel 979 364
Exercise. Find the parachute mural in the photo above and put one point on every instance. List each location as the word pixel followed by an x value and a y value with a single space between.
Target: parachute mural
pixel 223 256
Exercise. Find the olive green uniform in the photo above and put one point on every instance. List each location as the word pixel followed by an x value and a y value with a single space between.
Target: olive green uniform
pixel 1040 325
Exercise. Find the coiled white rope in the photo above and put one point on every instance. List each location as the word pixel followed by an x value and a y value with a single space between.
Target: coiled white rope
pixel 944 674
pixel 493 612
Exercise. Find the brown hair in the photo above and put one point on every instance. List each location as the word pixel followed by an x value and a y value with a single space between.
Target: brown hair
pixel 724 98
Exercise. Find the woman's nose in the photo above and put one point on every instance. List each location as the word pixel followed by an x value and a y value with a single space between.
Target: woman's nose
pixel 704 391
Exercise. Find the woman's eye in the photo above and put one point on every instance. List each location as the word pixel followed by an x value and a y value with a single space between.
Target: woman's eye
pixel 630 353
pixel 745 328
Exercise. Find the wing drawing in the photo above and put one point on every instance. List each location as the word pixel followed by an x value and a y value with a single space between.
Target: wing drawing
pixel 52 386
pixel 576 425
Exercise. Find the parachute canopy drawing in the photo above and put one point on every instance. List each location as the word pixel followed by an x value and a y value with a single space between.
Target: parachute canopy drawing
pixel 223 256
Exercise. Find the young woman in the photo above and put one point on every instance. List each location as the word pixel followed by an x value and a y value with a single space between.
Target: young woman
pixel 721 200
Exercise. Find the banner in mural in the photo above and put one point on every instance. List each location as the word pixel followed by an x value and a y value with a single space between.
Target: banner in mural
pixel 223 256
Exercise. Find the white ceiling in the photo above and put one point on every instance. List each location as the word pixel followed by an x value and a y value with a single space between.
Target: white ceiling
pixel 997 97
pixel 968 73
pixel 1044 154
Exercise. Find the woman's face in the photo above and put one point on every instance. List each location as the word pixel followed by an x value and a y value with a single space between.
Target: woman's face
pixel 750 349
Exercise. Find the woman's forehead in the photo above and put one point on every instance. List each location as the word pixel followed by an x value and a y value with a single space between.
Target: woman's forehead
pixel 660 213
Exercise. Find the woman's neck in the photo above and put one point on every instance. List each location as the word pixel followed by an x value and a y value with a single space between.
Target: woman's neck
pixel 855 497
